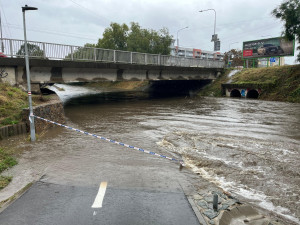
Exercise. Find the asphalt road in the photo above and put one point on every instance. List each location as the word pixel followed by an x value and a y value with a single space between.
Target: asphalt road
pixel 141 189
pixel 47 203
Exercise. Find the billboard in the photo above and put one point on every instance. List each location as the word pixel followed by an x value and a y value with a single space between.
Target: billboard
pixel 270 47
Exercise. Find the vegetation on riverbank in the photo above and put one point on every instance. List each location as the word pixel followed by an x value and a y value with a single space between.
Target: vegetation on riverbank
pixel 12 101
pixel 6 161
pixel 214 89
pixel 281 83
pixel 123 85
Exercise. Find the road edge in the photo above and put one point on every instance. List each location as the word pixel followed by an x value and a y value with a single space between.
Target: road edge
pixel 7 202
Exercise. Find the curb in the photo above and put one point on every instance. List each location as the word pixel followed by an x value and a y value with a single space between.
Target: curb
pixel 5 203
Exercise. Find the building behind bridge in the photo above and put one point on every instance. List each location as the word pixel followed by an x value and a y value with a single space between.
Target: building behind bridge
pixel 195 53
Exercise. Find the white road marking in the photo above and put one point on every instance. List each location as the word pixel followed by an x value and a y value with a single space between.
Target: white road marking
pixel 100 196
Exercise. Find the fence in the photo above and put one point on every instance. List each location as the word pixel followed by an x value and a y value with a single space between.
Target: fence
pixel 15 48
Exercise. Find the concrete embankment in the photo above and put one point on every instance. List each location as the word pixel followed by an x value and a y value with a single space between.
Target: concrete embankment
pixel 52 110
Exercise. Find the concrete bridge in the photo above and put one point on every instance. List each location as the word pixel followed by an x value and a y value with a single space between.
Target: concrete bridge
pixel 54 63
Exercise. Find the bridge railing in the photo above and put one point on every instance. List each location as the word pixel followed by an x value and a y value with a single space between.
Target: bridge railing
pixel 15 48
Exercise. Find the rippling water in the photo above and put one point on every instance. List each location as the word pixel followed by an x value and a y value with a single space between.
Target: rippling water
pixel 248 147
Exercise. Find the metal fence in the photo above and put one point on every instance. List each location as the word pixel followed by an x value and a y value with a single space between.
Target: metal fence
pixel 15 48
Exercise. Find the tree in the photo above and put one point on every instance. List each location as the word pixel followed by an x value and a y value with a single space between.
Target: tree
pixel 33 51
pixel 149 41
pixel 114 37
pixel 235 56
pixel 289 13
pixel 86 52
pixel 139 40
pixel 136 39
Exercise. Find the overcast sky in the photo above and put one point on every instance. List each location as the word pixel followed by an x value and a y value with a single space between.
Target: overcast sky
pixel 76 22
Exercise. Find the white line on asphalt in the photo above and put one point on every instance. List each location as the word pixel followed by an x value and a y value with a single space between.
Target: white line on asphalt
pixel 99 198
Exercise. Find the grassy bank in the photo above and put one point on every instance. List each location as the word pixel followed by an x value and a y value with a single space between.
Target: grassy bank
pixel 6 161
pixel 123 85
pixel 215 89
pixel 12 102
pixel 277 83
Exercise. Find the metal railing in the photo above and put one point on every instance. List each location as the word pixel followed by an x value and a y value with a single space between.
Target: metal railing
pixel 15 48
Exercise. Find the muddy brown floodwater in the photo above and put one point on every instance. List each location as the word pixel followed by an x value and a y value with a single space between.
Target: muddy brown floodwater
pixel 249 148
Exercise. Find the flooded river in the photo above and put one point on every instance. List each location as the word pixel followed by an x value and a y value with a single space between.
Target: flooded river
pixel 249 148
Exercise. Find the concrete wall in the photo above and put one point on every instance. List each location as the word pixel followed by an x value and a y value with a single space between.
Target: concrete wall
pixel 228 89
pixel 12 130
pixel 8 75
pixel 52 111
pixel 243 91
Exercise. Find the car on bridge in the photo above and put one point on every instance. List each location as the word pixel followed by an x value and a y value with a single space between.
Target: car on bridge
pixel 2 55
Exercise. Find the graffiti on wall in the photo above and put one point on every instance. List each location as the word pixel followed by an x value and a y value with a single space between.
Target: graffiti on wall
pixel 3 73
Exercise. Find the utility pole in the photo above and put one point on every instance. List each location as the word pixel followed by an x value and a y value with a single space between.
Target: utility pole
pixel 178 39
pixel 31 116
pixel 229 54
pixel 2 46
pixel 215 39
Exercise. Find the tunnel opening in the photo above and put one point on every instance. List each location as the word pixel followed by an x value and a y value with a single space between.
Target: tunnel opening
pixel 176 87
pixel 252 94
pixel 235 93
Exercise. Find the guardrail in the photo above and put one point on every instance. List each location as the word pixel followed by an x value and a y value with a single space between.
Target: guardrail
pixel 15 48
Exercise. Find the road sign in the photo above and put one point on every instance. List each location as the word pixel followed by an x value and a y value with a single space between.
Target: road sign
pixel 272 59
pixel 214 37
pixel 217 45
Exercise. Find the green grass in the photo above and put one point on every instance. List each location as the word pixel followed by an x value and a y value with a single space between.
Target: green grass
pixel 214 89
pixel 6 161
pixel 12 102
pixel 280 83
pixel 4 181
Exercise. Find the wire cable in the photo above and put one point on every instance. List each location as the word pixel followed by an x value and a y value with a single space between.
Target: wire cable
pixel 1 8
pixel 52 32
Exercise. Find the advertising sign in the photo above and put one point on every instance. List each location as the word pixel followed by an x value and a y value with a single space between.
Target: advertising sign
pixel 270 47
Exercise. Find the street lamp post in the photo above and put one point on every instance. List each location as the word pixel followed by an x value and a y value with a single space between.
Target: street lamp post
pixel 229 51
pixel 2 47
pixel 31 117
pixel 214 39
pixel 178 40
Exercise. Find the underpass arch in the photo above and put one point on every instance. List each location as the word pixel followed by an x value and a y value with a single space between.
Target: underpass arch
pixel 235 93
pixel 252 94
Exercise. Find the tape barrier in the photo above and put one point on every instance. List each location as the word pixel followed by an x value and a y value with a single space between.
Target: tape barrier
pixel 111 141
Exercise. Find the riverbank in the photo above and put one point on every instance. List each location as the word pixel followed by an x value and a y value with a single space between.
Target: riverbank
pixel 7 160
pixel 120 85
pixel 277 83
pixel 12 102
pixel 14 121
